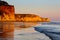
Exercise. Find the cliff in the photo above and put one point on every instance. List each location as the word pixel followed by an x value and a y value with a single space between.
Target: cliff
pixel 30 18
pixel 6 13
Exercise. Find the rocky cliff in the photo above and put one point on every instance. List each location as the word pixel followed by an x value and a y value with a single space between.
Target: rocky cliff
pixel 6 13
pixel 30 18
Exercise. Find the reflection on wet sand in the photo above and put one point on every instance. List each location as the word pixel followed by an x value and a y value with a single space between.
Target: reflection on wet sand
pixel 6 31
pixel 7 28
pixel 20 25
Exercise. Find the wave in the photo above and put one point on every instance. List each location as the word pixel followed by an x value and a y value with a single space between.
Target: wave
pixel 50 23
pixel 52 32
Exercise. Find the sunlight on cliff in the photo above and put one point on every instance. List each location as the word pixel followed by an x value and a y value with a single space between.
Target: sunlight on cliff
pixel 30 18
pixel 7 13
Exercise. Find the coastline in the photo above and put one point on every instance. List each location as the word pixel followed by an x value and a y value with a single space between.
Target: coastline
pixel 29 34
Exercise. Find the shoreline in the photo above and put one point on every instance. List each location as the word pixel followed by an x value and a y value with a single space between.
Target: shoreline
pixel 53 34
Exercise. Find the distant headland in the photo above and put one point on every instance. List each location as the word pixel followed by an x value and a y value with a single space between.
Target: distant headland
pixel 7 13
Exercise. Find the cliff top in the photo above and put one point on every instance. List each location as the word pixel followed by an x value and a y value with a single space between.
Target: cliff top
pixel 3 3
pixel 29 15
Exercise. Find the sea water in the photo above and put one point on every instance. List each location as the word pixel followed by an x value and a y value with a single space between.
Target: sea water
pixel 27 31
pixel 50 29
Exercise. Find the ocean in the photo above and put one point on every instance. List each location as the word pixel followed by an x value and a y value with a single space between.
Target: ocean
pixel 30 31
pixel 50 29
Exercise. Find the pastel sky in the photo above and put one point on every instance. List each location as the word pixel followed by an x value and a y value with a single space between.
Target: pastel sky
pixel 43 8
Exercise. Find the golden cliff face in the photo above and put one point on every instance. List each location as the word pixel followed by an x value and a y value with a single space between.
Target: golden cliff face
pixel 6 13
pixel 30 18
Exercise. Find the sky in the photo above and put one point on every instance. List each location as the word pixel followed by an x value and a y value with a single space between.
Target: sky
pixel 44 8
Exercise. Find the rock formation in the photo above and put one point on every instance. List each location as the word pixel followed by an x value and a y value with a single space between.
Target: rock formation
pixel 30 18
pixel 7 14
pixel 6 11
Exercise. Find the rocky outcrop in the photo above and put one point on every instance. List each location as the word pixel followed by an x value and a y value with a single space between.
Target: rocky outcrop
pixel 6 13
pixel 30 18
pixel 45 19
